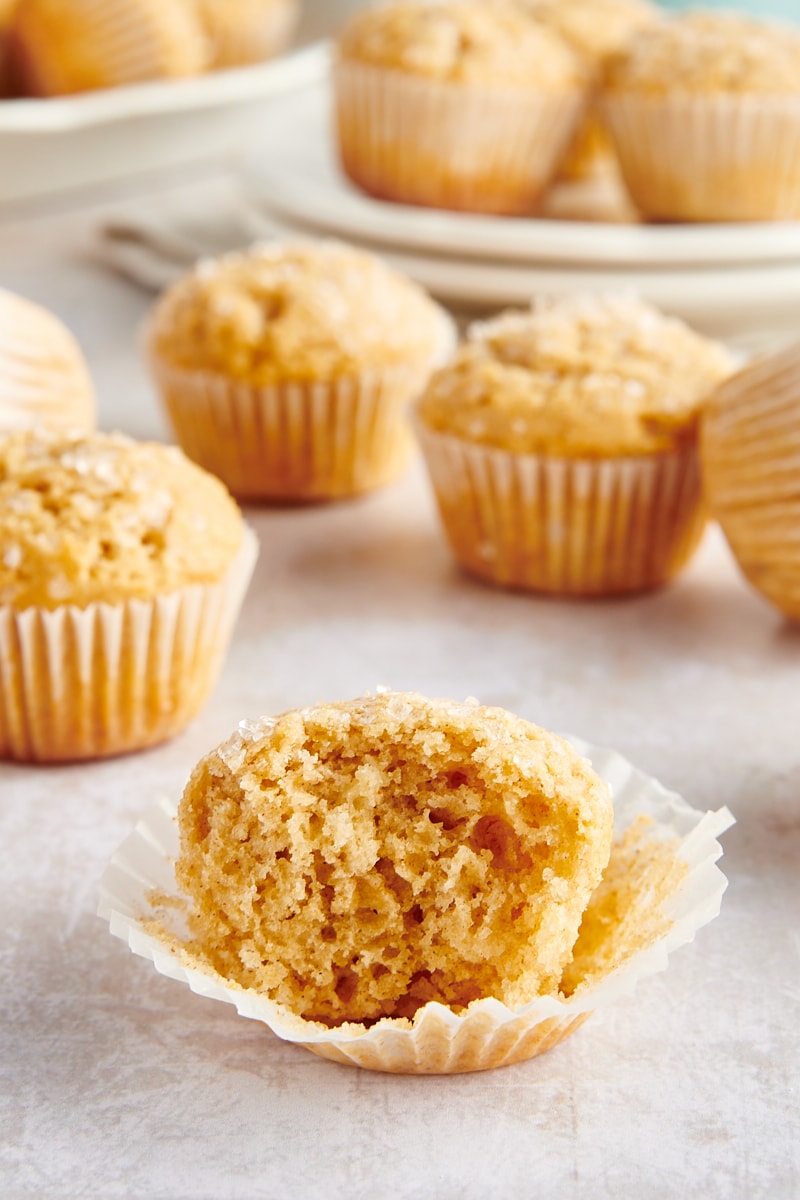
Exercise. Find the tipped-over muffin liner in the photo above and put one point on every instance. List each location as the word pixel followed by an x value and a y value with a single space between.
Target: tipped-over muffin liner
pixel 78 683
pixel 708 157
pixel 750 446
pixel 566 526
pixel 261 32
pixel 297 440
pixel 438 1041
pixel 446 145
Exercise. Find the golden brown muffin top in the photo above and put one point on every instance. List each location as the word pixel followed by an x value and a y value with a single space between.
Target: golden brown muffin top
pixel 298 310
pixel 68 46
pixel 595 28
pixel 104 518
pixel 584 376
pixel 710 52
pixel 354 861
pixel 44 380
pixel 461 41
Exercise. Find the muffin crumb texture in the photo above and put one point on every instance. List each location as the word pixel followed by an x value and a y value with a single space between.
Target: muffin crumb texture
pixel 457 41
pixel 300 310
pixel 104 518
pixel 584 376
pixel 355 861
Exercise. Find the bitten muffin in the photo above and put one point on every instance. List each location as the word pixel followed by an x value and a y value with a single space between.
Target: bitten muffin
pixel 562 445
pixel 65 46
pixel 357 861
pixel 596 30
pixel 288 370
pixel 247 31
pixel 44 380
pixel 704 111
pixel 122 568
pixel 454 104
pixel 751 462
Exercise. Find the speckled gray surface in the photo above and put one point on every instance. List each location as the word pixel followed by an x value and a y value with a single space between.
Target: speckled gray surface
pixel 117 1083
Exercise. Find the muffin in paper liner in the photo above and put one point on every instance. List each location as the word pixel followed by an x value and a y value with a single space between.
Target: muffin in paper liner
pixel 248 31
pixel 695 157
pixel 107 678
pixel 439 144
pixel 567 526
pixel 296 440
pixel 750 447
pixel 138 899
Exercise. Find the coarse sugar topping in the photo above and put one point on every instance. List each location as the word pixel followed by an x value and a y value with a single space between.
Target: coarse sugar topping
pixel 103 518
pixel 586 375
pixel 462 41
pixel 710 52
pixel 302 310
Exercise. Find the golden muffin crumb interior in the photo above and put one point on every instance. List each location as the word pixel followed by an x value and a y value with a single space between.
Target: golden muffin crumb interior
pixel 710 52
pixel 461 42
pixel 301 310
pixel 103 518
pixel 581 376
pixel 354 861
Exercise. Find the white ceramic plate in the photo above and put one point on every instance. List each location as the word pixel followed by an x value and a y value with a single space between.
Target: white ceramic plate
pixel 294 170
pixel 50 146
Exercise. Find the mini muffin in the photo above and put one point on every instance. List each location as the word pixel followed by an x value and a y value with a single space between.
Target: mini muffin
pixel 596 30
pixel 288 370
pixel 357 861
pixel 247 31
pixel 454 104
pixel 562 445
pixel 751 461
pixel 704 111
pixel 122 568
pixel 44 380
pixel 65 46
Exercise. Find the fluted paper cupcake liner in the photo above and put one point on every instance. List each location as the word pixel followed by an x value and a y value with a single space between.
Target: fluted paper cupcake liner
pixel 439 1041
pixel 79 683
pixel 566 526
pixel 264 31
pixel 297 440
pixel 446 145
pixel 708 158
pixel 750 442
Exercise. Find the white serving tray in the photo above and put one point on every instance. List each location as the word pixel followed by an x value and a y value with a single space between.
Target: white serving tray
pixel 51 146
pixel 294 169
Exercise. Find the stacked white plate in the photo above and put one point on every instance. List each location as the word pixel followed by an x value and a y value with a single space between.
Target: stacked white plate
pixel 735 281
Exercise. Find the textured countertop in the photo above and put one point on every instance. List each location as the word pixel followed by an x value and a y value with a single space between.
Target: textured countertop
pixel 117 1083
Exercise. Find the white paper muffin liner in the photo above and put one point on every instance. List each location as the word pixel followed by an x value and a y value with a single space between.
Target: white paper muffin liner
pixel 750 444
pixel 566 526
pixel 421 141
pixel 79 683
pixel 438 1041
pixel 297 440
pixel 263 31
pixel 708 157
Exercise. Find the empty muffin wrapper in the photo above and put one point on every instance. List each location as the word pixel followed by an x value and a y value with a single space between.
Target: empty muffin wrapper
pixel 139 883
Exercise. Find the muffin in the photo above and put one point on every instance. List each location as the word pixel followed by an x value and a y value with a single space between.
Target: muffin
pixel 122 568
pixel 44 380
pixel 750 447
pixel 454 105
pixel 704 111
pixel 65 46
pixel 596 30
pixel 562 445
pixel 288 370
pixel 6 10
pixel 247 31
pixel 357 861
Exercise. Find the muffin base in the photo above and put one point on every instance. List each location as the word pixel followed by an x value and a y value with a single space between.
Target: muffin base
pixel 137 895
pixel 708 158
pixel 84 683
pixel 445 145
pixel 570 527
pixel 262 37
